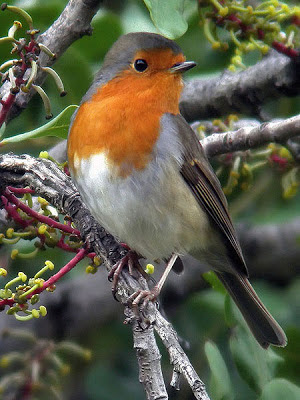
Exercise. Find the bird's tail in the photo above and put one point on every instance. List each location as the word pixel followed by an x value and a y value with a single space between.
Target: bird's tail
pixel 263 326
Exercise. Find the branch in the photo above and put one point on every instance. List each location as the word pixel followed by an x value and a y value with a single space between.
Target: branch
pixel 244 92
pixel 179 360
pixel 251 137
pixel 150 373
pixel 50 182
pixel 71 25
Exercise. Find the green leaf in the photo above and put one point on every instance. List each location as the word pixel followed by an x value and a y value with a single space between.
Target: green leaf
pixel 136 18
pixel 279 389
pixel 255 365
pixel 211 278
pixel 220 381
pixel 2 129
pixel 168 16
pixel 58 127
pixel 229 314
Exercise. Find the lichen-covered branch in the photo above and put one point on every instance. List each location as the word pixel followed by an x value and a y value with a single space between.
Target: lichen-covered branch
pixel 178 358
pixel 150 373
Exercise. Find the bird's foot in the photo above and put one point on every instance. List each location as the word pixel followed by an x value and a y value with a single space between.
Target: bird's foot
pixel 142 297
pixel 139 301
pixel 131 260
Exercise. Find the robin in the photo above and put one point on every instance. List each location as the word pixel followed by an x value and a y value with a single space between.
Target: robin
pixel 143 174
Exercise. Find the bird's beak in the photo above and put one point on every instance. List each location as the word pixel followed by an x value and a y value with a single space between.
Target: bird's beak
pixel 183 66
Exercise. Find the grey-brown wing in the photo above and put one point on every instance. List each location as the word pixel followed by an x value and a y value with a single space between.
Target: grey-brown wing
pixel 199 176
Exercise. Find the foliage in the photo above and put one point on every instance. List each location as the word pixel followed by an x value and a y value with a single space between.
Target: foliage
pixel 57 127
pixel 38 368
pixel 239 33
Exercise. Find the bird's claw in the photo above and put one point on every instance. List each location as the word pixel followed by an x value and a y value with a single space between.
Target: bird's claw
pixel 139 301
pixel 131 260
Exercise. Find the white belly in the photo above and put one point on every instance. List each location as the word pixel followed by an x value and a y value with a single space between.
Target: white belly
pixel 153 210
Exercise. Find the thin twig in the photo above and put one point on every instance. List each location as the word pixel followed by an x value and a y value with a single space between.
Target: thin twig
pixel 178 358
pixel 251 137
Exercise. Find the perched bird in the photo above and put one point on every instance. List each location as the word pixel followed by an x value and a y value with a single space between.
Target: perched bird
pixel 143 174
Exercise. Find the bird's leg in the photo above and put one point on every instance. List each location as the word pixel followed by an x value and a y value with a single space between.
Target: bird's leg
pixel 131 259
pixel 151 295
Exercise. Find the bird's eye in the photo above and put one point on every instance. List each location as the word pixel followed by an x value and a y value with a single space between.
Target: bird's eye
pixel 140 65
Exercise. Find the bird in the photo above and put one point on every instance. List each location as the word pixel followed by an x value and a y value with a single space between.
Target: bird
pixel 142 172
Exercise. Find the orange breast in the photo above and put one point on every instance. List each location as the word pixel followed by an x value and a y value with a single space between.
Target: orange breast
pixel 122 119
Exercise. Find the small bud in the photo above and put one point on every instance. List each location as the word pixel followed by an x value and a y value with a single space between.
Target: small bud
pixel 14 254
pixel 9 233
pixel 34 299
pixel 250 10
pixel 237 59
pixel 284 152
pixel 223 11
pixel 233 117
pixel 43 311
pixel 16 26
pixel 216 45
pixel 271 10
pixel 51 288
pixel 42 201
pixel 47 51
pixel 149 269
pixel 264 49
pixel 39 282
pixel 90 269
pixel 35 313
pixel 11 311
pixel 42 229
pixel 50 265
pixel 97 261
pixel 5 293
pixel 22 276
pixel 3 272
pixel 44 154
